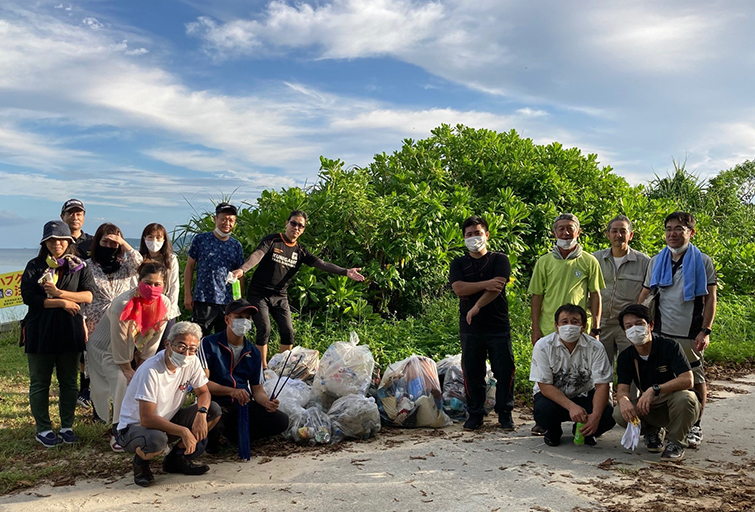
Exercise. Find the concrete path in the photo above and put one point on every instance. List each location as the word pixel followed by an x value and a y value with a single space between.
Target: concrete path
pixel 452 470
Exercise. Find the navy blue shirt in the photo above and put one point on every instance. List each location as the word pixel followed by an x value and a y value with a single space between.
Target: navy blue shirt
pixel 216 356
pixel 215 258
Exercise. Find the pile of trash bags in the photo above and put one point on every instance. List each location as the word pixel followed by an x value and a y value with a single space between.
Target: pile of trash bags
pixel 410 395
pixel 452 382
pixel 345 369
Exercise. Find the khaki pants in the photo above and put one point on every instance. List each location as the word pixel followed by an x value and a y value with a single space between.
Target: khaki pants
pixel 613 339
pixel 694 357
pixel 676 411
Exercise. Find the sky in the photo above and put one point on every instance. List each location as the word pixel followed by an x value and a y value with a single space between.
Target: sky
pixel 149 110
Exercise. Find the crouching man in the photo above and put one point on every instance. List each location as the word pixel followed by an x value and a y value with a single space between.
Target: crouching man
pixel 234 366
pixel 571 373
pixel 661 371
pixel 152 414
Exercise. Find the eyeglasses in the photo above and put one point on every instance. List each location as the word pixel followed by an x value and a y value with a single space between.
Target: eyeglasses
pixel 183 349
pixel 680 230
pixel 296 224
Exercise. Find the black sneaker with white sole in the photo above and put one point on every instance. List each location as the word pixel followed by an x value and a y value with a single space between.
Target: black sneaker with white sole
pixel 672 453
pixel 654 442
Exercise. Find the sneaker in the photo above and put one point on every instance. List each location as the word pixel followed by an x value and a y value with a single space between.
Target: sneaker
pixel 672 453
pixel 48 440
pixel 654 442
pixel 537 430
pixel 175 463
pixel 474 422
pixel 143 476
pixel 68 437
pixel 506 421
pixel 115 446
pixel 84 400
pixel 695 437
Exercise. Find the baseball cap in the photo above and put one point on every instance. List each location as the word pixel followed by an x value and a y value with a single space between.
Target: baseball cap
pixel 226 208
pixel 72 204
pixel 239 306
pixel 56 229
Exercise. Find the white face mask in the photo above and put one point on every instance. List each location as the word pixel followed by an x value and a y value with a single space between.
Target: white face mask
pixel 569 333
pixel 475 243
pixel 637 334
pixel 222 235
pixel 566 244
pixel 154 245
pixel 678 250
pixel 241 326
pixel 179 360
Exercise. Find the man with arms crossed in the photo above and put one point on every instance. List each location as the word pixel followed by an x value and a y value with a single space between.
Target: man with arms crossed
pixel 684 281
pixel 479 278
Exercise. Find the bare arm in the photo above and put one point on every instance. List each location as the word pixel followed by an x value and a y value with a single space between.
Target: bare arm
pixel 149 418
pixel 702 340
pixel 550 391
pixel 599 402
pixel 191 263
pixel 536 308
pixel 596 309
pixel 483 301
pixel 240 395
pixel 682 381
pixel 258 392
pixel 465 289
pixel 643 295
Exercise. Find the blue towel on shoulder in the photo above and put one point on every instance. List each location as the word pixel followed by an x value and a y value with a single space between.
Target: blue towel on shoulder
pixel 693 272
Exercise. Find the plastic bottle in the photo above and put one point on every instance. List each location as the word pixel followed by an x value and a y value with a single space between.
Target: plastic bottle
pixel 236 287
pixel 579 439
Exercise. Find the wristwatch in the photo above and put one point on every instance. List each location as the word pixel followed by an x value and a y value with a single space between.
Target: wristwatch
pixel 203 410
pixel 705 330
pixel 656 389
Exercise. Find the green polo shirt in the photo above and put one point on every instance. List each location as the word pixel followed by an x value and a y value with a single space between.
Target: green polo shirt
pixel 562 282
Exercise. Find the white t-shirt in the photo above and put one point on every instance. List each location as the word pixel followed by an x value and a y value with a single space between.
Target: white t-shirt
pixel 618 261
pixel 574 374
pixel 153 382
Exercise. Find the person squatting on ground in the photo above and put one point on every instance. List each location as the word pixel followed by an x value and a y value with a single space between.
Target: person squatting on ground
pixel 54 285
pixel 683 280
pixel 213 255
pixel 623 271
pixel 127 335
pixel 152 415
pixel 479 278
pixel 155 246
pixel 571 373
pixel 667 407
pixel 234 366
pixel 566 275
pixel 278 258
pixel 73 214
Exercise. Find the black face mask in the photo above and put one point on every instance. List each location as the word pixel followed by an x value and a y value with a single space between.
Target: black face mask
pixel 107 258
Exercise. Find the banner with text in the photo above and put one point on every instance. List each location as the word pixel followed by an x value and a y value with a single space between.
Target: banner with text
pixel 10 289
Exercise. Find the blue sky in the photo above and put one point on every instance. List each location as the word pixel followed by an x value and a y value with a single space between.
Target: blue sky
pixel 138 107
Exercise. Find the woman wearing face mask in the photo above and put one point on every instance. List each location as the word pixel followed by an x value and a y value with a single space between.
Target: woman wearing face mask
pixel 126 336
pixel 54 285
pixel 155 246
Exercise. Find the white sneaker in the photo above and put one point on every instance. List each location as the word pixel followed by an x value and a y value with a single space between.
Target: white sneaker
pixel 115 446
pixel 695 437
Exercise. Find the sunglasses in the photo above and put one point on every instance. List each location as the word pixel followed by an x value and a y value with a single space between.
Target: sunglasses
pixel 296 224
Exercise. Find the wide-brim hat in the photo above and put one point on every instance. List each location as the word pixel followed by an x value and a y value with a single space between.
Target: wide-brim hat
pixel 56 229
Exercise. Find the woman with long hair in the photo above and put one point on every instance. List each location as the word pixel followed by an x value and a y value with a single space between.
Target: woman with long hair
pixel 127 335
pixel 54 285
pixel 155 246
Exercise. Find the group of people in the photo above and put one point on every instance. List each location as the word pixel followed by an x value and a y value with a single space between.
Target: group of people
pixel 98 305
pixel 650 317
pixel 96 295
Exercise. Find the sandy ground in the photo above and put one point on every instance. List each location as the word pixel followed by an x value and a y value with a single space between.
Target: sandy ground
pixel 425 470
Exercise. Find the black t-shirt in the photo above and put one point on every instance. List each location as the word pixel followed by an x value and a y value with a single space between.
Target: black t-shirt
pixel 493 318
pixel 279 264
pixel 83 245
pixel 666 362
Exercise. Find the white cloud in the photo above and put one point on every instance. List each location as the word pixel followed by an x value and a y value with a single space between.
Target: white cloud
pixel 92 23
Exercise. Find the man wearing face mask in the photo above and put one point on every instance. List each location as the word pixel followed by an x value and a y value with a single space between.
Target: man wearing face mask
pixel 566 275
pixel 234 367
pixel 213 255
pixel 571 373
pixel 479 278
pixel 152 414
pixel 668 407
pixel 683 280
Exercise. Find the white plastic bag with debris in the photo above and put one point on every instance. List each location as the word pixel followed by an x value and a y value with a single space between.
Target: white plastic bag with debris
pixel 302 363
pixel 345 369
pixel 293 394
pixel 310 426
pixel 354 417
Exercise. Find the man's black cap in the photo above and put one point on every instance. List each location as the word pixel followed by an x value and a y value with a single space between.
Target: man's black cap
pixel 226 208
pixel 72 204
pixel 239 306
